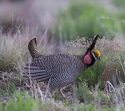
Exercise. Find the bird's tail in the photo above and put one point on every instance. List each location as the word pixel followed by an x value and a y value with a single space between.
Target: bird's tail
pixel 92 45
pixel 33 49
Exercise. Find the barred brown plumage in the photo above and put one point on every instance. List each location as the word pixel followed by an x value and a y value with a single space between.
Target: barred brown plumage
pixel 60 69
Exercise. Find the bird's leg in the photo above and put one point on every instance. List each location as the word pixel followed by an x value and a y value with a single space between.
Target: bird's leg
pixel 61 90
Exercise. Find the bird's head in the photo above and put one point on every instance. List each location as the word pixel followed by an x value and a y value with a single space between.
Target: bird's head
pixel 96 54
pixel 91 57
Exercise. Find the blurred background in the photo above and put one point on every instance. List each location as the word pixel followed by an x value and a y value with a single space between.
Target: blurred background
pixel 65 20
pixel 35 16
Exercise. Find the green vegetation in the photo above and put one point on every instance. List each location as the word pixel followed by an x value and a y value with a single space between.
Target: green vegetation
pixel 93 75
pixel 87 18
pixel 82 18
pixel 19 102
pixel 22 101
pixel 119 3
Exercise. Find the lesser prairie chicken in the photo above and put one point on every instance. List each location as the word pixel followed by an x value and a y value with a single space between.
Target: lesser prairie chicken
pixel 59 69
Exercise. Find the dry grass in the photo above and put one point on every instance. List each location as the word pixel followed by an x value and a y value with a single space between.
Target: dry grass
pixel 106 46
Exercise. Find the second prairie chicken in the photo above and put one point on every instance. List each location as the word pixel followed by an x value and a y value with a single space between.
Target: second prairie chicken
pixel 59 69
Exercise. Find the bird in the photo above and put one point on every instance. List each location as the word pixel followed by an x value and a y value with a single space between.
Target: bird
pixel 59 70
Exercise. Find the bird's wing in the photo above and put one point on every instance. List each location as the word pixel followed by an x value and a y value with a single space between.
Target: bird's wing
pixel 36 72
pixel 45 67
